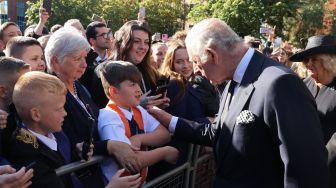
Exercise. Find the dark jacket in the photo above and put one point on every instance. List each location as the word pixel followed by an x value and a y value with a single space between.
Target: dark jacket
pixel 208 95
pixel 325 98
pixel 24 148
pixel 270 136
pixel 77 127
pixel 91 63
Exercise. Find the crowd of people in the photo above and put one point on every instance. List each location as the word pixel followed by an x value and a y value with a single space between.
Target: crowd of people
pixel 266 112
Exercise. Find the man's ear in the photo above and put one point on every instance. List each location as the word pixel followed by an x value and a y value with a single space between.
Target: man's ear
pixel 3 91
pixel 35 114
pixel 212 55
pixel 92 41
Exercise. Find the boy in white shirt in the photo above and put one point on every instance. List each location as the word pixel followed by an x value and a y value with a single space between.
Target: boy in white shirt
pixel 124 120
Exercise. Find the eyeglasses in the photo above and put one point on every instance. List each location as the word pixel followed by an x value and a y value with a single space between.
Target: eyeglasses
pixel 108 35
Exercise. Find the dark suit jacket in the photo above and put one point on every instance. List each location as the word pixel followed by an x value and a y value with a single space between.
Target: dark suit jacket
pixel 21 153
pixel 86 78
pixel 190 100
pixel 76 126
pixel 282 145
pixel 208 95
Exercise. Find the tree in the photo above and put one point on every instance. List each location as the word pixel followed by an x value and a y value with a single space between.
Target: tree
pixel 64 10
pixel 162 16
pixel 119 11
pixel 294 20
pixel 245 17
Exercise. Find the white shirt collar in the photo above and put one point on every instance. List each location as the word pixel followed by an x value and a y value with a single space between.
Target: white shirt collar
pixel 128 114
pixel 49 141
pixel 242 66
pixel 98 59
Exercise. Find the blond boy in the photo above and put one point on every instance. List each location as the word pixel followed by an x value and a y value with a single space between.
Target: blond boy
pixel 39 99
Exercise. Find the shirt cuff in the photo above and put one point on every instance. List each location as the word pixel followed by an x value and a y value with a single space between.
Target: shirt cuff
pixel 172 124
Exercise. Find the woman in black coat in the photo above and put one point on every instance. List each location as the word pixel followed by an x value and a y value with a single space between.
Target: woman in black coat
pixel 319 58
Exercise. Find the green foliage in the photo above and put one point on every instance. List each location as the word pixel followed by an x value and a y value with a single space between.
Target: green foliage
pixel 64 10
pixel 293 19
pixel 163 16
pixel 246 16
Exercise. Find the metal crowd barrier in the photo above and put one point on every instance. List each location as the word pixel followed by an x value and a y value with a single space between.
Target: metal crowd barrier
pixel 198 171
pixel 72 167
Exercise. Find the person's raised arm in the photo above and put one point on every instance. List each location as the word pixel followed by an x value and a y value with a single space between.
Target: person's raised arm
pixel 43 19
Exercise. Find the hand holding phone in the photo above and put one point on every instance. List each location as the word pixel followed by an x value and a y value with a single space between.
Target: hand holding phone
pixel 88 141
pixel 162 87
pixel 142 14
pixel 30 166
pixel 97 18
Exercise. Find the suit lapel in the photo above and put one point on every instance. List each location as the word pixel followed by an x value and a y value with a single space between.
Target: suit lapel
pixel 245 91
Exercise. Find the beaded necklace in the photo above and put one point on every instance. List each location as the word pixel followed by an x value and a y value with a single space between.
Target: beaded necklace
pixel 80 102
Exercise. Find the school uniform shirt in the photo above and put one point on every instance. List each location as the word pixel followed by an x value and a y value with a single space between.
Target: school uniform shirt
pixel 111 127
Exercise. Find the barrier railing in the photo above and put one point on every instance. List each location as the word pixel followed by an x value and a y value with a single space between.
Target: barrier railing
pixel 184 176
pixel 72 167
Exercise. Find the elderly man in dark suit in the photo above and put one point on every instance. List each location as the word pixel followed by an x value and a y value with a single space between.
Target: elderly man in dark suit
pixel 267 133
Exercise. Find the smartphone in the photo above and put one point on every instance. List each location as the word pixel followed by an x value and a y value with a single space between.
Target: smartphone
pixel 162 87
pixel 142 12
pixel 30 166
pixel 47 5
pixel 89 139
pixel 97 18
pixel 265 30
pixel 109 24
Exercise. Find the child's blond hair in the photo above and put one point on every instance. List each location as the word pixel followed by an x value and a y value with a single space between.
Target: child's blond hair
pixel 30 89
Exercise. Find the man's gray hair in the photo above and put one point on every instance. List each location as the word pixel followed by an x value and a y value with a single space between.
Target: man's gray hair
pixel 71 22
pixel 212 32
pixel 63 42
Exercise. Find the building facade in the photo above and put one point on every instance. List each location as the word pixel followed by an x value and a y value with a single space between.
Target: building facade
pixel 14 11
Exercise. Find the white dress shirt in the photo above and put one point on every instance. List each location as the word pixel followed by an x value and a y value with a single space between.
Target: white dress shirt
pixel 49 140
pixel 111 127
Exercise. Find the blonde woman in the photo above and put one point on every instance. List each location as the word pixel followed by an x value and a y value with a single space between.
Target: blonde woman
pixel 319 57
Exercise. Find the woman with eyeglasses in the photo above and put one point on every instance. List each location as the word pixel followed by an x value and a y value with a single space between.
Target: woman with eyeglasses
pixel 319 57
